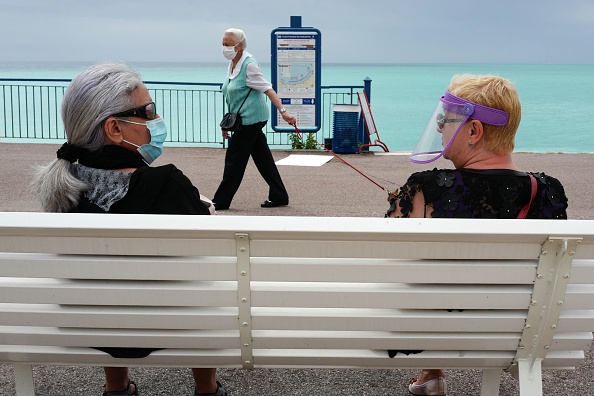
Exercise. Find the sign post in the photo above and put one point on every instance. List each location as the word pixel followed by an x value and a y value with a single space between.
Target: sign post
pixel 296 75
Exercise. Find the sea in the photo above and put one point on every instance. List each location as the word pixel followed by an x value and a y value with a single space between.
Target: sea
pixel 557 100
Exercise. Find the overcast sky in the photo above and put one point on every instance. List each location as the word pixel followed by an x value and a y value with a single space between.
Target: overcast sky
pixel 353 31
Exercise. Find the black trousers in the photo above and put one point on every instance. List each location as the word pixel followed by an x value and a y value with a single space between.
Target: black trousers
pixel 250 141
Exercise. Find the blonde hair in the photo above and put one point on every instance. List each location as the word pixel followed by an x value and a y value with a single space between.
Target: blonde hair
pixel 498 93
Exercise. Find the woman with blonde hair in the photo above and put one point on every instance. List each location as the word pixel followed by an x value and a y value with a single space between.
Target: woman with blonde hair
pixel 474 126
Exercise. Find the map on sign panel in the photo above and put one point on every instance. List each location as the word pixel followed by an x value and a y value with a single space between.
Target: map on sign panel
pixel 296 78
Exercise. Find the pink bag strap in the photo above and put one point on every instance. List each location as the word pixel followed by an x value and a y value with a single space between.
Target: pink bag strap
pixel 524 211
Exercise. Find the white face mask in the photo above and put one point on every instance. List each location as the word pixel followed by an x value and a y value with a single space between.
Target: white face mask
pixel 229 51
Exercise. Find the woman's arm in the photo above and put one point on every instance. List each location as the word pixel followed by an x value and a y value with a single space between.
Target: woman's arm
pixel 276 102
pixel 255 80
pixel 415 209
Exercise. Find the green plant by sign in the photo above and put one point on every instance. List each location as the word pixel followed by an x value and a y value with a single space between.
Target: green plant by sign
pixel 298 144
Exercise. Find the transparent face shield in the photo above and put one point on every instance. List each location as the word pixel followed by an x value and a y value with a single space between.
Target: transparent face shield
pixel 448 117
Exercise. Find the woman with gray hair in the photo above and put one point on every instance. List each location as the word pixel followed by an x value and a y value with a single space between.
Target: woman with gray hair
pixel 113 133
pixel 245 90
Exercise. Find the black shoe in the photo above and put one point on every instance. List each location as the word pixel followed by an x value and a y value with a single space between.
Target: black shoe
pixel 272 204
pixel 220 207
pixel 125 392
pixel 219 392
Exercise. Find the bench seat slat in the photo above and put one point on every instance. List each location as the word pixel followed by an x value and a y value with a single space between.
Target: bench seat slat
pixel 489 361
pixel 354 358
pixel 318 358
pixel 208 339
pixel 403 271
pixel 383 340
pixel 570 341
pixel 268 339
pixel 37 265
pixel 563 359
pixel 274 318
pixel 131 338
pixel 75 356
pixel 387 295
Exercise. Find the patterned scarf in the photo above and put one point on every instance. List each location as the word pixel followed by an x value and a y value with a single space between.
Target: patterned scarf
pixel 106 186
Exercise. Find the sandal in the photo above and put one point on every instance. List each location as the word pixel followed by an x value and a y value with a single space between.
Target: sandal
pixel 219 392
pixel 436 386
pixel 124 392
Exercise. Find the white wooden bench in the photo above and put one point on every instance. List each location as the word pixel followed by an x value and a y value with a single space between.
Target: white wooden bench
pixel 234 291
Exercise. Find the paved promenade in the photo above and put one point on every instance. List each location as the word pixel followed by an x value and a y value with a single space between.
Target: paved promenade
pixel 333 189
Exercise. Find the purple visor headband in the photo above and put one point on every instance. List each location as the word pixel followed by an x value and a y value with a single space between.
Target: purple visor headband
pixel 478 112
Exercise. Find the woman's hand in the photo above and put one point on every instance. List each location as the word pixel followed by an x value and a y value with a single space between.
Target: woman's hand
pixel 225 134
pixel 289 119
pixel 276 102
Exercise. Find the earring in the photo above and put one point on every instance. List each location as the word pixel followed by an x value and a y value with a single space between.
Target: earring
pixel 471 145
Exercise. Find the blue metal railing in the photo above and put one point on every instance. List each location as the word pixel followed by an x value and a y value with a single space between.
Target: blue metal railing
pixel 192 111
pixel 30 110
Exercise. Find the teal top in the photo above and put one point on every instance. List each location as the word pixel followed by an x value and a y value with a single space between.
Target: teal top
pixel 235 90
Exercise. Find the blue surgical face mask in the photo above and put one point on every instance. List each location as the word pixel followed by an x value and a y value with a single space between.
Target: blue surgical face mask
pixel 154 148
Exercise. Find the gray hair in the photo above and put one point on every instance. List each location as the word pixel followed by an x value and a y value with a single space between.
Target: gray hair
pixel 95 94
pixel 239 36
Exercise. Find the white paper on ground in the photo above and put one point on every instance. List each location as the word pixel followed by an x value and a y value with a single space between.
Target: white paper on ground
pixel 304 160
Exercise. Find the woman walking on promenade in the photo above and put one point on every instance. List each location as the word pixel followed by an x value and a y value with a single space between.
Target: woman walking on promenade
pixel 114 133
pixel 245 89
pixel 474 126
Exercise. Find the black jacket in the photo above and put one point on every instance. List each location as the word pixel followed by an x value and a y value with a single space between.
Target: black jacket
pixel 154 190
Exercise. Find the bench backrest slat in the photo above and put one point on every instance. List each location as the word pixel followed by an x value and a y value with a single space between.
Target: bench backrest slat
pixel 394 270
pixel 382 295
pixel 123 246
pixel 125 317
pixel 145 293
pixel 38 265
pixel 582 271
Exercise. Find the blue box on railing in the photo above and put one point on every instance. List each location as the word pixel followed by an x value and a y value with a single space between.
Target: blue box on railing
pixel 346 136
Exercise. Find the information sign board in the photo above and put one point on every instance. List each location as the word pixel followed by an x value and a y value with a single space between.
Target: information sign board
pixel 296 75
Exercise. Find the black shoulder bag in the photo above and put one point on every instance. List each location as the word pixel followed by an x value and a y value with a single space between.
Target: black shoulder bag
pixel 232 121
